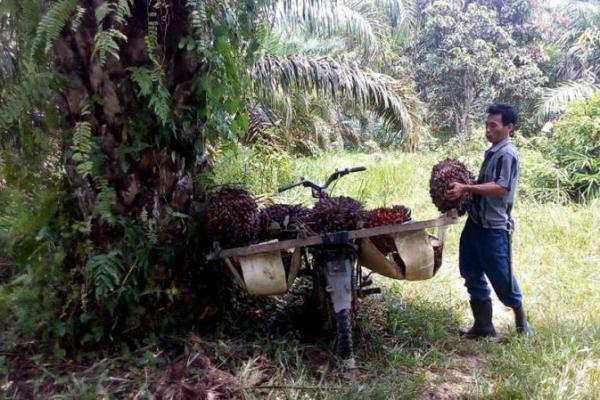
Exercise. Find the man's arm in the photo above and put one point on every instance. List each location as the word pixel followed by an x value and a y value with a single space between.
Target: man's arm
pixel 483 189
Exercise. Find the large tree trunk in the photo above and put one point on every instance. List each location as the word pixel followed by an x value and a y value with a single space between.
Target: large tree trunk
pixel 160 175
pixel 148 182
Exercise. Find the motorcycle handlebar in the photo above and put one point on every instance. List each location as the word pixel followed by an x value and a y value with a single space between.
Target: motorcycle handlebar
pixel 338 174
pixel 331 178
pixel 290 186
pixel 357 169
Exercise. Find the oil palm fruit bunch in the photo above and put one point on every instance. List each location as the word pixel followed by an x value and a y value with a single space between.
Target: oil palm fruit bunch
pixel 339 213
pixel 231 217
pixel 282 221
pixel 386 216
pixel 442 175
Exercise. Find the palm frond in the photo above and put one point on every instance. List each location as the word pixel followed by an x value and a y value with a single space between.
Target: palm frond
pixel 50 27
pixel 327 19
pixel 369 90
pixel 582 41
pixel 583 14
pixel 302 44
pixel 398 11
pixel 554 101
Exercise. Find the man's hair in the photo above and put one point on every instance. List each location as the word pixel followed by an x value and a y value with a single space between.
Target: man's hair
pixel 509 115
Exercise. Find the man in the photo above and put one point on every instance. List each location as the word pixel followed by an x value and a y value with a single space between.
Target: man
pixel 485 241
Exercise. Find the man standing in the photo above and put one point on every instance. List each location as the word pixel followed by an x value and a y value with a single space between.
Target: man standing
pixel 485 243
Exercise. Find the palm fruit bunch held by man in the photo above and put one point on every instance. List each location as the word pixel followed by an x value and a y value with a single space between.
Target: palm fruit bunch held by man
pixel 442 175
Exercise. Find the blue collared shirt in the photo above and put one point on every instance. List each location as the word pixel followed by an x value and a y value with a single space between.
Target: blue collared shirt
pixel 501 165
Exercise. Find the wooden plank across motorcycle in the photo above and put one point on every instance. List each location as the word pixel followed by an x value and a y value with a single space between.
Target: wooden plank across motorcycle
pixel 447 219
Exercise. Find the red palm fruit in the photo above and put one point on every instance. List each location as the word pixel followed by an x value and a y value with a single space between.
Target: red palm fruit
pixel 231 217
pixel 386 216
pixel 332 214
pixel 442 175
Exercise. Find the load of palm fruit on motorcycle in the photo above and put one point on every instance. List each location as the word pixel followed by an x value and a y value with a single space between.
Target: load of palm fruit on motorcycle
pixel 232 218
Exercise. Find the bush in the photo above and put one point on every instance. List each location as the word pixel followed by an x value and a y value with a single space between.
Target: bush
pixel 540 178
pixel 260 168
pixel 62 291
pixel 575 145
pixel 34 287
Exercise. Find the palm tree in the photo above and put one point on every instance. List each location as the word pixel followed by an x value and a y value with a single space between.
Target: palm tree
pixel 307 50
pixel 579 71
pixel 336 80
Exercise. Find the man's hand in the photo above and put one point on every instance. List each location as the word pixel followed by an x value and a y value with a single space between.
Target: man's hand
pixel 456 190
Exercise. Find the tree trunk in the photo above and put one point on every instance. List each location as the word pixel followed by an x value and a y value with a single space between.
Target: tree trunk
pixel 146 165
pixel 158 176
pixel 464 108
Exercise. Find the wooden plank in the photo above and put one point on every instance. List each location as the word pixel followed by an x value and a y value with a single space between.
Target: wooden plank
pixel 397 228
pixel 265 247
pixel 316 240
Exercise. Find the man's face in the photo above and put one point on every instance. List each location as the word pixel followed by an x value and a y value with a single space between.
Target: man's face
pixel 495 130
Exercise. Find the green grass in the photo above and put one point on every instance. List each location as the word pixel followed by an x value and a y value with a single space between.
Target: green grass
pixel 407 345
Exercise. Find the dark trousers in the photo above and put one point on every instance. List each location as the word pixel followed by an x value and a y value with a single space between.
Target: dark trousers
pixel 485 252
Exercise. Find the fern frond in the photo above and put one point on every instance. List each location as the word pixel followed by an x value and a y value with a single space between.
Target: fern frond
pixel 82 147
pixel 50 27
pixel 150 81
pixel 103 11
pixel 160 103
pixel 105 43
pixel 144 78
pixel 123 10
pixel 140 242
pixel 200 23
pixel 151 40
pixel 107 197
pixel 76 21
pixel 107 272
pixel 150 84
pixel 198 14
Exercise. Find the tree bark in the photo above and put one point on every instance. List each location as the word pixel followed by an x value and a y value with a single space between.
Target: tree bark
pixel 160 176
pixel 464 108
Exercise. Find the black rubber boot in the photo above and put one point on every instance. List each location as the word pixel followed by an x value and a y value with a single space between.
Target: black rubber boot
pixel 483 326
pixel 521 323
